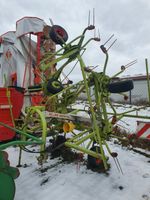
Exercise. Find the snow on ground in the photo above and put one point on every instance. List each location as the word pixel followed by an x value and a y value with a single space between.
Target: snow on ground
pixel 65 181
pixel 61 181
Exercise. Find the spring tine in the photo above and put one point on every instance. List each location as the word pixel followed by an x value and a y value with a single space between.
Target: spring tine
pixel 112 44
pixel 89 16
pixel 93 16
pixel 94 32
pixel 99 34
pixel 131 63
pixel 51 21
pixel 116 164
pixel 119 165
pixel 108 39
pixel 65 77
pixel 94 67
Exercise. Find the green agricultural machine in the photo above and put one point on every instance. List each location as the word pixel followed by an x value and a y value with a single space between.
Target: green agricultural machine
pixel 54 116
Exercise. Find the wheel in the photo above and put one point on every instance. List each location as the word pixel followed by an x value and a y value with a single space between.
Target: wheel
pixel 59 140
pixel 54 86
pixel 58 146
pixel 58 34
pixel 35 88
pixel 121 86
pixel 95 163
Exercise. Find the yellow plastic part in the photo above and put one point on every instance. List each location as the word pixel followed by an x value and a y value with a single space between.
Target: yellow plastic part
pixel 68 127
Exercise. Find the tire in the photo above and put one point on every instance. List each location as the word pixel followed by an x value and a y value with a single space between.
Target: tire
pixel 94 163
pixel 54 86
pixel 121 86
pixel 35 88
pixel 58 146
pixel 59 140
pixel 56 33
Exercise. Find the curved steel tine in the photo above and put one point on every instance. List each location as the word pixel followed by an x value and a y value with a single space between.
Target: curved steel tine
pixel 51 21
pixel 94 32
pixel 116 164
pixel 108 39
pixel 130 63
pixel 99 34
pixel 119 165
pixel 93 16
pixel 112 44
pixel 95 67
pixel 89 16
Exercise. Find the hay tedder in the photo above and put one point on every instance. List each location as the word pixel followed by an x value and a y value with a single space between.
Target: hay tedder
pixel 36 103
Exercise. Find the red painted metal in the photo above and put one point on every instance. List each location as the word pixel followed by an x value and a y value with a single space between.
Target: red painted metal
pixel 37 99
pixel 143 129
pixel 15 103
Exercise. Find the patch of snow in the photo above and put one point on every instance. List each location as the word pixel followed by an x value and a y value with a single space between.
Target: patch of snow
pixel 63 181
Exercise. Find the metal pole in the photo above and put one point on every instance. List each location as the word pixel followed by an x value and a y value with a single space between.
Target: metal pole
pixel 148 83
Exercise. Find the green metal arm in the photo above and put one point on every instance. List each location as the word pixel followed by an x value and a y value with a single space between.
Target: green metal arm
pixel 34 140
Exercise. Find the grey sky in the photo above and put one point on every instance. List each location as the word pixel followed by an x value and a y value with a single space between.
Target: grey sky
pixel 127 19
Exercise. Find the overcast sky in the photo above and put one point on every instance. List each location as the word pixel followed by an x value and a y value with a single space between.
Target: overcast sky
pixel 129 20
